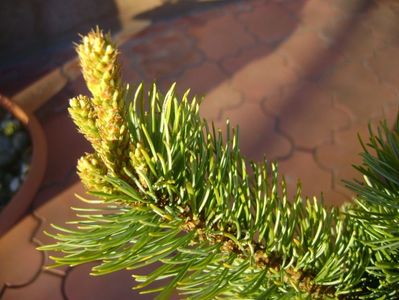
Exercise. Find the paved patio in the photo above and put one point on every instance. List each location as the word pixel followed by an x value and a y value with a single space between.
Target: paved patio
pixel 301 77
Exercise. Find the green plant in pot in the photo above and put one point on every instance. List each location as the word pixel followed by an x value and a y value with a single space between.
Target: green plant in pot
pixel 23 160
pixel 15 155
pixel 168 189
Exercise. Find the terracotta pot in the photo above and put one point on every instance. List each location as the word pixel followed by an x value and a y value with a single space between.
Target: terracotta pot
pixel 20 202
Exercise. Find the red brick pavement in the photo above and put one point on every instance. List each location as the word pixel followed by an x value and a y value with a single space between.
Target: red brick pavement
pixel 300 77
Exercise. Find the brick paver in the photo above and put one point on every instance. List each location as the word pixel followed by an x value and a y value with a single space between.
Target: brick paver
pixel 269 22
pixel 258 138
pixel 264 77
pixel 19 260
pixel 300 77
pixel 99 287
pixel 354 85
pixel 164 53
pixel 199 79
pixel 219 99
pixel 58 211
pixel 300 107
pixel 222 37
pixel 233 64
pixel 45 286
pixel 339 155
pixel 386 68
pixel 313 181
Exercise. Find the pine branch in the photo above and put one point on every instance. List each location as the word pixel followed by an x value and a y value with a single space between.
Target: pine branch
pixel 170 189
pixel 377 212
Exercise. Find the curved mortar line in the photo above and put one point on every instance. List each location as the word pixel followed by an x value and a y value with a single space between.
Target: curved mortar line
pixel 293 66
pixel 146 38
pixel 39 270
pixel 194 45
pixel 277 41
pixel 366 64
pixel 241 50
pixel 219 61
pixel 221 67
pixel 330 134
pixel 303 149
pixel 380 77
pixel 52 184
pixel 333 67
pixel 37 241
pixel 184 69
pixel 333 133
pixel 238 53
pixel 63 284
pixel 344 17
pixel 337 185
pixel 245 28
pixel 388 107
pixel 2 290
pixel 316 159
pixel 182 72
pixel 234 54
pixel 351 18
pixel 52 272
pixel 327 169
pixel 328 45
pixel 346 126
pixel 40 221
pixel 348 198
pixel 344 109
pixel 237 12
pixel 391 86
pixel 224 109
pixel 324 37
pixel 199 13
pixel 379 46
pixel 294 16
pixel 277 129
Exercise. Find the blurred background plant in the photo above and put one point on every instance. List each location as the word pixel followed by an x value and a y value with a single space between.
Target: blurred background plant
pixel 15 154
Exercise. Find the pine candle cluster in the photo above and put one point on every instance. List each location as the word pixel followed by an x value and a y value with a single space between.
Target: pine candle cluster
pixel 169 189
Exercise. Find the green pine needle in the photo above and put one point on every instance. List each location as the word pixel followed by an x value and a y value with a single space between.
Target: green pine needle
pixel 179 195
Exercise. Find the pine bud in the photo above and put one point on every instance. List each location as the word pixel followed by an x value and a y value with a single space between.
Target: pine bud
pixel 84 117
pixel 92 172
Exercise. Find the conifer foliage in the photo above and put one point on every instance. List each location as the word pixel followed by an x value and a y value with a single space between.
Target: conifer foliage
pixel 169 190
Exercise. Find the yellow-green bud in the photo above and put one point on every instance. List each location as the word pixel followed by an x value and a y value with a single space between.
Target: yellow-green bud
pixel 92 172
pixel 83 115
